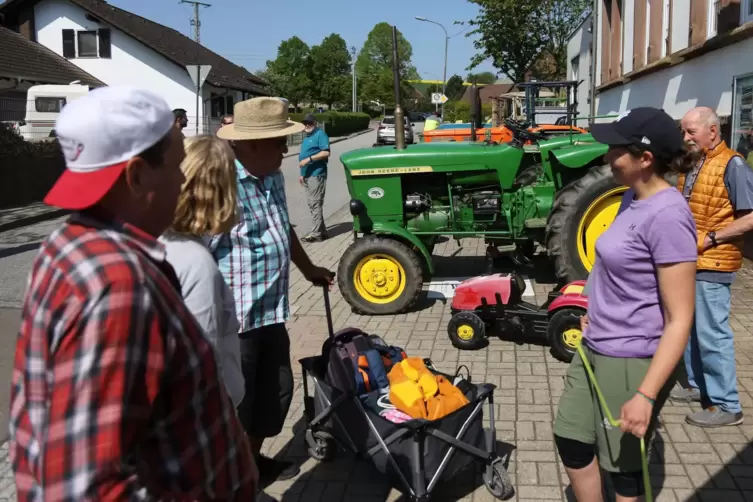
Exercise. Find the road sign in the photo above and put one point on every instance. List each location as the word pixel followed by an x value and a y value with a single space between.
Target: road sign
pixel 198 73
pixel 438 98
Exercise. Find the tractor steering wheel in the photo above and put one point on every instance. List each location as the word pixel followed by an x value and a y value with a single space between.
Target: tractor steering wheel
pixel 520 132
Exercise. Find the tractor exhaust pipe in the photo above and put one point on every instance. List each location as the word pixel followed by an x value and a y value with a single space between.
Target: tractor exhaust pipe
pixel 474 110
pixel 399 114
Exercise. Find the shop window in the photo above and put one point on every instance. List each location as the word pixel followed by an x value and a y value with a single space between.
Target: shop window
pixel 742 116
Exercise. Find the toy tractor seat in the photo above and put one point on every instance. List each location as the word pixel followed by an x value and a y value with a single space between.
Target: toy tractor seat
pixel 517 288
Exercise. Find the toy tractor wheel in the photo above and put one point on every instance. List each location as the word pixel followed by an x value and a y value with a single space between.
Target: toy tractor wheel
pixel 467 331
pixel 379 275
pixel 565 334
pixel 581 212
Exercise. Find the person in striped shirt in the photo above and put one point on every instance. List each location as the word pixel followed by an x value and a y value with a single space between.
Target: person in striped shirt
pixel 254 258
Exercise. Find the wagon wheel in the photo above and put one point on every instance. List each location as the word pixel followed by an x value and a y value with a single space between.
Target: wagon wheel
pixel 499 484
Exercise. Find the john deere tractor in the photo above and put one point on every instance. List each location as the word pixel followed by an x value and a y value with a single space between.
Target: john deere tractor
pixel 555 192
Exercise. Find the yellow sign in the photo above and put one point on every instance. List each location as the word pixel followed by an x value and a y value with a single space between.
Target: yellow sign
pixel 392 170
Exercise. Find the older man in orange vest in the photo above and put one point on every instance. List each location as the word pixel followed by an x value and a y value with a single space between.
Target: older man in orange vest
pixel 720 193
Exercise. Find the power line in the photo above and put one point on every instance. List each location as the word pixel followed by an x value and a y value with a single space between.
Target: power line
pixel 196 22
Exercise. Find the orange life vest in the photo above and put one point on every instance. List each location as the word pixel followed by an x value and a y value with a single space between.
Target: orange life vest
pixel 712 210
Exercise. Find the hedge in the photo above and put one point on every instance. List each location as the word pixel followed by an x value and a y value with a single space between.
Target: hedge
pixel 338 123
pixel 460 110
pixel 27 169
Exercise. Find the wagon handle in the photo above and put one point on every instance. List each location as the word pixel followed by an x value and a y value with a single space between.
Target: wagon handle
pixel 328 311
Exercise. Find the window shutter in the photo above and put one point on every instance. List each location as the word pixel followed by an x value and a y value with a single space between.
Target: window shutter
pixel 69 44
pixel 105 50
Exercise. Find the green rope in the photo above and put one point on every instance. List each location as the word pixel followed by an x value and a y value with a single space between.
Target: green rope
pixel 616 423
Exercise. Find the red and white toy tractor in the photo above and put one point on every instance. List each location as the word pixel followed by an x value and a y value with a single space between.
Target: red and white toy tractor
pixel 494 304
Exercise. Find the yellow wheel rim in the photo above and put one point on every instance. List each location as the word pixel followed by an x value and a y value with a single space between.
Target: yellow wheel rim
pixel 379 278
pixel 572 338
pixel 597 218
pixel 465 332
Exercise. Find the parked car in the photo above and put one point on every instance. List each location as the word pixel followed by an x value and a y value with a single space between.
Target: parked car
pixel 386 131
pixel 416 116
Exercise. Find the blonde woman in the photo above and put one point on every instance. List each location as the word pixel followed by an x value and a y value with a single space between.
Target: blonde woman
pixel 207 207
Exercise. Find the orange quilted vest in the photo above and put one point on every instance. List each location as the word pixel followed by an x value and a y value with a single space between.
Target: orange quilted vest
pixel 712 210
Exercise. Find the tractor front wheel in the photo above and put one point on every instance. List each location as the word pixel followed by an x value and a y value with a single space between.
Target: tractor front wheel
pixel 380 276
pixel 581 212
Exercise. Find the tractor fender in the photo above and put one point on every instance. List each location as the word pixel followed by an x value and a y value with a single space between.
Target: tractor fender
pixel 568 301
pixel 579 155
pixel 399 232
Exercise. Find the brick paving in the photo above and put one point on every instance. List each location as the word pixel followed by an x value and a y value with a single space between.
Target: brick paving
pixel 687 463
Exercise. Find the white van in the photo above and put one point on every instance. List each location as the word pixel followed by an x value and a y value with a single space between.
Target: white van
pixel 43 105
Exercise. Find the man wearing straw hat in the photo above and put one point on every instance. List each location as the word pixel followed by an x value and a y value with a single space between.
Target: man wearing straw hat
pixel 116 392
pixel 254 258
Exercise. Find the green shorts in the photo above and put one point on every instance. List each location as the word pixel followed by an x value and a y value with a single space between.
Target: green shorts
pixel 581 418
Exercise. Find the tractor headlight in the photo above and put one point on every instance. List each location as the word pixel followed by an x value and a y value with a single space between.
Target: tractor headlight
pixel 356 207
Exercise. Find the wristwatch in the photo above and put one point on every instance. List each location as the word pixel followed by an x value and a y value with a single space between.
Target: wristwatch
pixel 712 236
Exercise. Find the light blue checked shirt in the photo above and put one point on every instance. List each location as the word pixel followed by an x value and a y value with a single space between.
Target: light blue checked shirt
pixel 254 257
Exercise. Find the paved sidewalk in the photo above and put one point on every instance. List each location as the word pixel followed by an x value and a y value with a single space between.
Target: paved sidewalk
pixel 708 465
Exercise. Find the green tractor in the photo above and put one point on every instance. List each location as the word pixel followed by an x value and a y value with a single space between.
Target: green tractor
pixel 557 193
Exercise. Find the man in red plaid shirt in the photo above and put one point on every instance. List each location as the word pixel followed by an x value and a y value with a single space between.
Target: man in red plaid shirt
pixel 116 394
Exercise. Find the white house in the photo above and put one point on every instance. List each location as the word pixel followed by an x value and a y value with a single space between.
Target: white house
pixel 675 55
pixel 118 47
pixel 579 64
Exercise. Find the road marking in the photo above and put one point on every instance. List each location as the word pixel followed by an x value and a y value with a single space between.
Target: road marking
pixel 444 288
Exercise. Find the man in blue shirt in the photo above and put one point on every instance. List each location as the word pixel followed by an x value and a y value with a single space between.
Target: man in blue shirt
pixel 313 164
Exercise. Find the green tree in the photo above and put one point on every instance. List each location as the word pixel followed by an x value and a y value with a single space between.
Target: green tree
pixel 374 66
pixel 330 71
pixel 454 89
pixel 289 74
pixel 516 35
pixel 561 17
pixel 485 77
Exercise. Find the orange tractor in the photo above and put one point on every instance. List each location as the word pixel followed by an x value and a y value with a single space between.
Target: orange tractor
pixel 521 107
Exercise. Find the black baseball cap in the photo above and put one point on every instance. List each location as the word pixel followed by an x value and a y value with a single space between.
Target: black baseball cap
pixel 309 119
pixel 649 128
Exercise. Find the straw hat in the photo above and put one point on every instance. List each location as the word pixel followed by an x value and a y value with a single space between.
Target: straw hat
pixel 260 118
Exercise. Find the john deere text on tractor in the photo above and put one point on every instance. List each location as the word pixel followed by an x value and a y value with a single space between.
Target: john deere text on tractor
pixel 557 192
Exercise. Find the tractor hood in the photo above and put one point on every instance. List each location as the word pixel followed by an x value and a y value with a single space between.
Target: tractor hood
pixel 430 156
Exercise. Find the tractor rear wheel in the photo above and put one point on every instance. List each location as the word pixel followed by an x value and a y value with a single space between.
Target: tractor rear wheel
pixel 379 276
pixel 581 212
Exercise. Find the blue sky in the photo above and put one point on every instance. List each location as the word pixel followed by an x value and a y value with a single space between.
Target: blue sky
pixel 248 32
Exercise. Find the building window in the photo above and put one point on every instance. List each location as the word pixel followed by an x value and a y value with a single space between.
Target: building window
pixel 87 44
pixel 575 68
pixel 222 105
pixel 742 116
pixel 746 11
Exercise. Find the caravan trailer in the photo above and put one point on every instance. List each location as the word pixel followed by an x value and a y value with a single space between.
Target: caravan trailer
pixel 43 105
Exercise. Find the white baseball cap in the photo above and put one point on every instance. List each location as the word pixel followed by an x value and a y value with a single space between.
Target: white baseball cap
pixel 98 134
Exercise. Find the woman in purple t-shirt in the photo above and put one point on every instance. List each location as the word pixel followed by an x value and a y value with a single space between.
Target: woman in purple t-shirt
pixel 641 300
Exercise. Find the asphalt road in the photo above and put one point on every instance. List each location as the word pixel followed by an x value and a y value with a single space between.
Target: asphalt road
pixel 18 249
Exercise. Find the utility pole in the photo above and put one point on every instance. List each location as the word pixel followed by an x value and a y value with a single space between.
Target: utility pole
pixel 196 23
pixel 353 69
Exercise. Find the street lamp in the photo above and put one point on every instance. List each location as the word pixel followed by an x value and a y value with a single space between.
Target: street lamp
pixel 446 42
